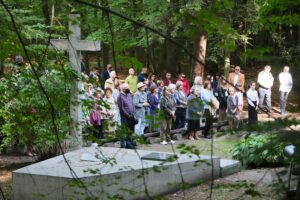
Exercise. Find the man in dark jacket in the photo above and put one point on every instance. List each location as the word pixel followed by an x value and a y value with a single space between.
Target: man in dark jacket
pixel 125 103
pixel 143 75
pixel 106 73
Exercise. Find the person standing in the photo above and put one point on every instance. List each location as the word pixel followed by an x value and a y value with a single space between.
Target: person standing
pixel 181 104
pixel 106 73
pixel 112 82
pixel 222 95
pixel 236 78
pixel 186 84
pixel 198 84
pixel 126 107
pixel 265 80
pixel 232 104
pixel 193 114
pixel 111 110
pixel 206 97
pixel 95 116
pixel 152 81
pixel 140 103
pixel 154 107
pixel 252 98
pixel 143 75
pixel 168 79
pixel 239 110
pixel 131 80
pixel 286 84
pixel 167 106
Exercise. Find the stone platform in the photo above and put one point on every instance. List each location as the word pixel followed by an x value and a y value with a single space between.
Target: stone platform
pixel 109 173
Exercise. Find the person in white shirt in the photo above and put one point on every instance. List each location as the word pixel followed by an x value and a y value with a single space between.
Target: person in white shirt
pixel 265 81
pixel 252 98
pixel 286 84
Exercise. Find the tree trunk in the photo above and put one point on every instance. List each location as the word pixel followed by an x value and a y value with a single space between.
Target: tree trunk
pixel 45 8
pixel 104 46
pixel 201 52
pixel 227 63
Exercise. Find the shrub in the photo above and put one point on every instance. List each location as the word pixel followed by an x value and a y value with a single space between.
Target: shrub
pixel 259 150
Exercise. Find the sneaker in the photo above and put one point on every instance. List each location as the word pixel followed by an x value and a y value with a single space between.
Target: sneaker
pixel 207 137
pixel 172 142
pixel 164 142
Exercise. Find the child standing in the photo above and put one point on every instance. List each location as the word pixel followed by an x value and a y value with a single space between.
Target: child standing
pixel 232 104
pixel 252 98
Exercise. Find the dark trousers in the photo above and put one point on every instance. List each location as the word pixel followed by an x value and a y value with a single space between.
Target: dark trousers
pixel 180 114
pixel 283 101
pixel 208 122
pixel 252 114
pixel 98 131
pixel 127 128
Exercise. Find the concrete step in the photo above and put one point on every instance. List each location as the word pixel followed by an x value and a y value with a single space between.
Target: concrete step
pixel 228 167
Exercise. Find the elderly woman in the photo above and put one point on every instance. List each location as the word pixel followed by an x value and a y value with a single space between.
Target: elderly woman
pixel 112 82
pixel 140 103
pixel 194 111
pixel 207 97
pixel 181 104
pixel 232 106
pixel 198 84
pixel 111 108
pixel 167 106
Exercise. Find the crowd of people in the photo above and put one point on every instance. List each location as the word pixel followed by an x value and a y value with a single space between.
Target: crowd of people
pixel 142 103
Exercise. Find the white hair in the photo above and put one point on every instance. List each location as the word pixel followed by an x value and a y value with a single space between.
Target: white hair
pixel 171 86
pixel 178 84
pixel 112 72
pixel 197 79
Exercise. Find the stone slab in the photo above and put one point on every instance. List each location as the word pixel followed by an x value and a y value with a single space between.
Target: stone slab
pixel 119 172
pixel 229 167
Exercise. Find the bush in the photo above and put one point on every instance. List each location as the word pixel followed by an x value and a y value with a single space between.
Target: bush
pixel 24 113
pixel 259 151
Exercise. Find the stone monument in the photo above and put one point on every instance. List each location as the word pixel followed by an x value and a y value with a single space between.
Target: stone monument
pixel 74 45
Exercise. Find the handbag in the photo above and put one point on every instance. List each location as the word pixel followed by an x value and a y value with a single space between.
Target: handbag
pixel 95 118
pixel 215 103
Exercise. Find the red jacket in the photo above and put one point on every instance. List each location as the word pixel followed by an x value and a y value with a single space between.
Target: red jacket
pixel 186 86
pixel 167 82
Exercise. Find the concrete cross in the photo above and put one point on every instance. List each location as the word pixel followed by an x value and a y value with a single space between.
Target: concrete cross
pixel 74 45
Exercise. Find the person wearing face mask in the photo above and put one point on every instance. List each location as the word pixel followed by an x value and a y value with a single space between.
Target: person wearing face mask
pixel 265 80
pixel 126 108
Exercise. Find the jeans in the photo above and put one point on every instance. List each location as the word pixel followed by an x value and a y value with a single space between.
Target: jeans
pixel 126 132
pixel 262 94
pixel 139 128
pixel 283 101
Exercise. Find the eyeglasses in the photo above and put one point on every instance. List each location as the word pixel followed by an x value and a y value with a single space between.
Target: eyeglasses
pixel 237 69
